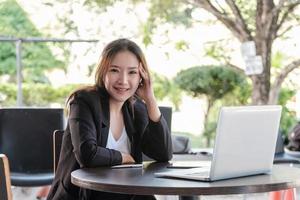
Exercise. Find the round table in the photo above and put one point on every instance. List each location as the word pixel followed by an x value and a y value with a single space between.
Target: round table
pixel 143 181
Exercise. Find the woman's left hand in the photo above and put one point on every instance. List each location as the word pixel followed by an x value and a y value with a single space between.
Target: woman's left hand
pixel 145 90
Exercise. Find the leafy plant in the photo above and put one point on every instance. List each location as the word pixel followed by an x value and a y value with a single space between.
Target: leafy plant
pixel 211 82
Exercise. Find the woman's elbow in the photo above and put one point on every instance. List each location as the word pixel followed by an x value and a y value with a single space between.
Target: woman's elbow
pixel 169 154
pixel 166 156
pixel 85 155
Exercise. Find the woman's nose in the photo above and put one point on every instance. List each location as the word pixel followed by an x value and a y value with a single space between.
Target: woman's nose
pixel 123 78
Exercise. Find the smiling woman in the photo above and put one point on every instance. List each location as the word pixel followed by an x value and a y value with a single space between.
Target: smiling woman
pixel 112 122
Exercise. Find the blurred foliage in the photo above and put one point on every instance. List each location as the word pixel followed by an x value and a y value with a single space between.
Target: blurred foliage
pixel 36 57
pixel 212 81
pixel 165 88
pixel 278 59
pixel 288 117
pixel 177 12
pixel 248 11
pixel 35 94
pixel 161 12
pixel 102 4
pixel 215 50
pixel 170 11
pixel 181 45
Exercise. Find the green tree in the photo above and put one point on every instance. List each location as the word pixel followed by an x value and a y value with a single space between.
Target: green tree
pixel 36 57
pixel 212 82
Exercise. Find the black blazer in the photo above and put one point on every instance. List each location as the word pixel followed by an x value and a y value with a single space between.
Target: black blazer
pixel 85 139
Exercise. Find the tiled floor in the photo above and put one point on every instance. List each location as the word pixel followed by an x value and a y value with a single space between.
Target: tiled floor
pixel 30 194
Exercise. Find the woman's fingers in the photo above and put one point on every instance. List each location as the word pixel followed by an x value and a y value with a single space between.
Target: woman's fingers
pixel 143 73
pixel 127 158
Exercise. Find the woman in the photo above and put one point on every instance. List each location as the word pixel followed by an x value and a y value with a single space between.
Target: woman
pixel 112 122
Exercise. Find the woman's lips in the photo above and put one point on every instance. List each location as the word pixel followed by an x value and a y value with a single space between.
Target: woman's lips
pixel 121 90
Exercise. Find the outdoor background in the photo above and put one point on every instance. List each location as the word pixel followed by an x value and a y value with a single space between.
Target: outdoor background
pixel 195 60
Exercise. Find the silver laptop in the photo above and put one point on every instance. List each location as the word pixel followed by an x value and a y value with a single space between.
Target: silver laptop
pixel 244 144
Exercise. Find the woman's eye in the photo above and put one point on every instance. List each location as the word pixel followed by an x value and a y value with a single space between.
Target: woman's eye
pixel 113 70
pixel 133 72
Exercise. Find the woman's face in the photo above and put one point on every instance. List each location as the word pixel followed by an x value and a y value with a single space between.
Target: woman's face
pixel 122 78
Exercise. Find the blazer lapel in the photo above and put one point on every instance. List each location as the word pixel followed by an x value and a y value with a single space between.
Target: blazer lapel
pixel 103 116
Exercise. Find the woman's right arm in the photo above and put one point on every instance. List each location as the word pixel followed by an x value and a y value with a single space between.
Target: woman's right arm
pixel 84 138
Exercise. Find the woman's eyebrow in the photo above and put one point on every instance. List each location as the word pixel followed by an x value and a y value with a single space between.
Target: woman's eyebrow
pixel 115 66
pixel 130 68
pixel 133 67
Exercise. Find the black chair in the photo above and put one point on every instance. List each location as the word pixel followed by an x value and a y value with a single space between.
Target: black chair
pixel 5 186
pixel 167 113
pixel 26 139
pixel 57 142
pixel 181 144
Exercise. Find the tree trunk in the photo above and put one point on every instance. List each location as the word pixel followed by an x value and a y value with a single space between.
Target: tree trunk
pixel 261 82
pixel 274 95
pixel 260 92
pixel 209 106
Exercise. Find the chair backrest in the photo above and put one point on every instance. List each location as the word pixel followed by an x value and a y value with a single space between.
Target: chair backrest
pixel 279 144
pixel 57 141
pixel 26 139
pixel 167 113
pixel 5 186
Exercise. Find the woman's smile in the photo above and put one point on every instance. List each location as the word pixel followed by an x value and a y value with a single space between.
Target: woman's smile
pixel 121 90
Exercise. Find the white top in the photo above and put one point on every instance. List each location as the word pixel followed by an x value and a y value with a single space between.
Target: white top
pixel 122 144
